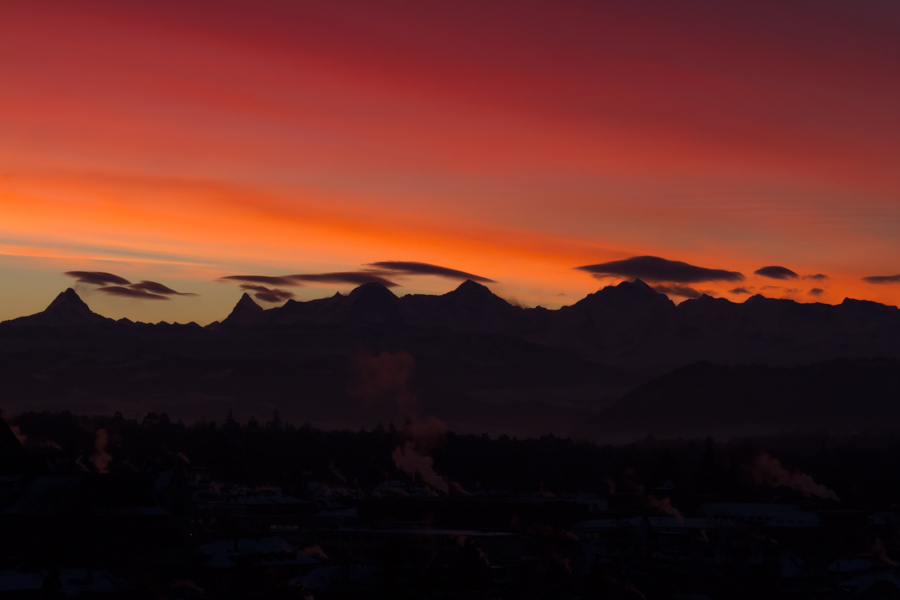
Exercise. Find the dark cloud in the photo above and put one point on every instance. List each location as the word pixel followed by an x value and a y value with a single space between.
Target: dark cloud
pixel 678 290
pixel 816 292
pixel 881 279
pixel 739 290
pixel 417 268
pixel 791 290
pixel 342 278
pixel 97 278
pixel 127 292
pixel 265 294
pixel 274 297
pixel 157 288
pixel 145 290
pixel 817 277
pixel 653 268
pixel 776 273
pixel 262 279
pixel 348 277
pixel 770 287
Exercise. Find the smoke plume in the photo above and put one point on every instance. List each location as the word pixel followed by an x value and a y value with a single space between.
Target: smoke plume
pixel 100 457
pixel 408 460
pixel 769 471
pixel 663 506
pixel 19 435
pixel 412 457
pixel 384 375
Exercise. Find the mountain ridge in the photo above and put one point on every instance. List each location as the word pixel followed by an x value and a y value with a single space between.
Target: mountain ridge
pixel 67 309
pixel 628 324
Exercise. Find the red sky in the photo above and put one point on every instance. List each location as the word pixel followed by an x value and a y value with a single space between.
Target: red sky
pixel 180 142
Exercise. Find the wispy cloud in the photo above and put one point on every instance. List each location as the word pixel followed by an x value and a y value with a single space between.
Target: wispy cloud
pixel 273 295
pixel 775 272
pixel 346 277
pixel 340 278
pixel 158 288
pixel 882 279
pixel 678 290
pixel 419 268
pixel 114 285
pixel 261 279
pixel 97 278
pixel 656 269
pixel 127 292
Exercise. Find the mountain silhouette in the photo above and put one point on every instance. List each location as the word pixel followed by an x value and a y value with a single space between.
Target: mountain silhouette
pixel 838 396
pixel 372 303
pixel 628 324
pixel 245 312
pixel 480 362
pixel 68 309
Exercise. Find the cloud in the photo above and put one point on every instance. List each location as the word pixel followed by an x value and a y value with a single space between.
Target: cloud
pixel 265 294
pixel 412 463
pixel 413 456
pixel 664 506
pixel 101 457
pixel 127 292
pixel 769 471
pixel 678 290
pixel 653 268
pixel 817 277
pixel 146 290
pixel 882 279
pixel 770 287
pixel 97 278
pixel 417 268
pixel 157 288
pixel 262 279
pixel 776 273
pixel 384 375
pixel 342 278
pixel 351 277
pixel 816 292
pixel 739 290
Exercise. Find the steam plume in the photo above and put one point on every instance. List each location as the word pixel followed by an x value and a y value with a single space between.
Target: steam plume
pixel 412 463
pixel 769 471
pixel 663 506
pixel 100 457
pixel 383 375
pixel 412 457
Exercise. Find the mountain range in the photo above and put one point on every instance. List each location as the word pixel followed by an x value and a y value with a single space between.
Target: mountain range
pixel 474 359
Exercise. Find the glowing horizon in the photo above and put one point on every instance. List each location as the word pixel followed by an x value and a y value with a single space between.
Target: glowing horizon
pixel 170 143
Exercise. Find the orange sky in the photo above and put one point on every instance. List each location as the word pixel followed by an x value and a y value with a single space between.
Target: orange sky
pixel 173 142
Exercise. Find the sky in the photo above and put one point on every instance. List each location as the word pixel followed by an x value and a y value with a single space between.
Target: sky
pixel 183 142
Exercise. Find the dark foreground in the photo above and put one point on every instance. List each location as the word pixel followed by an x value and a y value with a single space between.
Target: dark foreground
pixel 113 508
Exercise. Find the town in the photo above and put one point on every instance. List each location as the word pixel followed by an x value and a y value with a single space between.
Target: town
pixel 273 510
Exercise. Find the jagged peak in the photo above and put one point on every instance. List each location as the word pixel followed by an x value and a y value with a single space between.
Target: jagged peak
pixel 704 302
pixel 471 292
pixel 625 289
pixel 373 288
pixel 246 302
pixel 468 287
pixel 638 284
pixel 706 298
pixel 245 312
pixel 68 298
